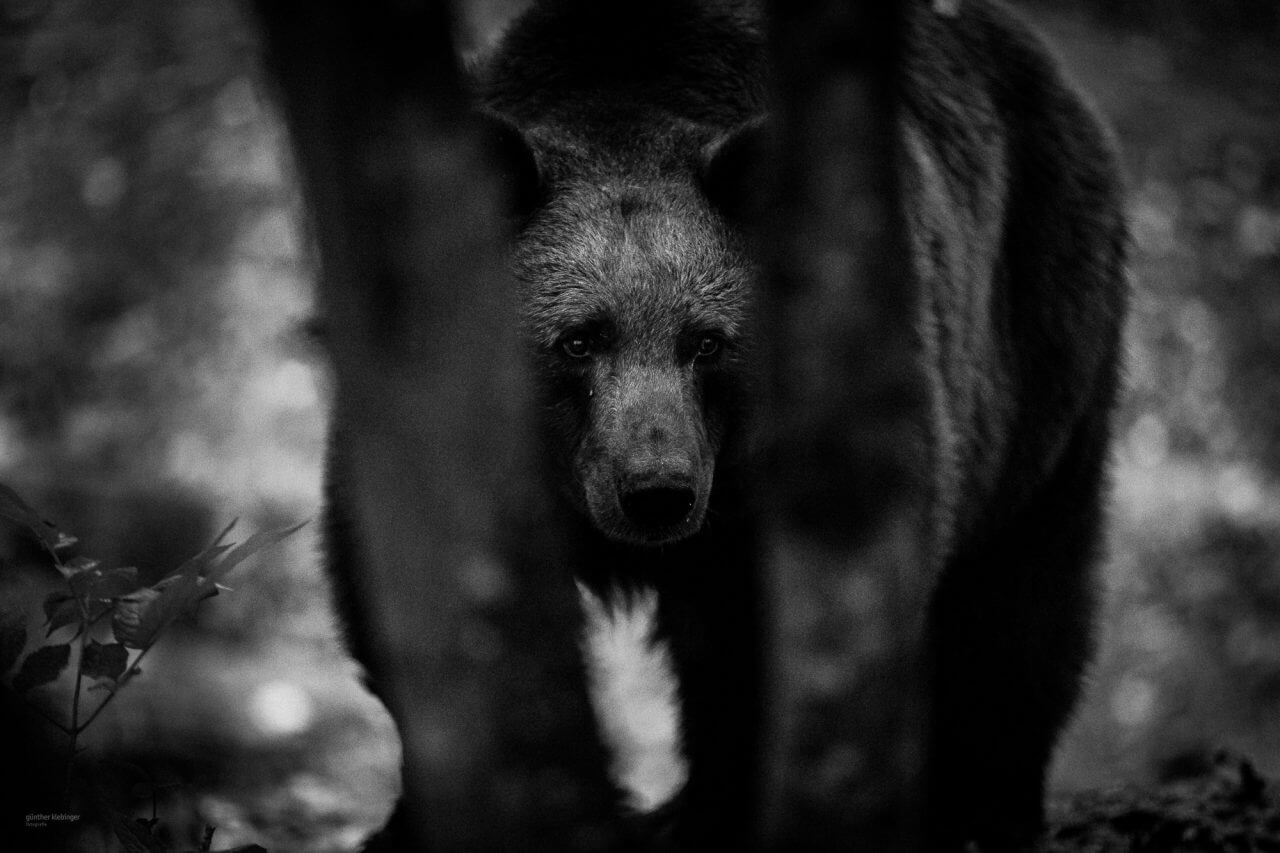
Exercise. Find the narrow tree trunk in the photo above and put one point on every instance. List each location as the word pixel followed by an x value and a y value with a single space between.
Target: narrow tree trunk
pixel 846 413
pixel 469 626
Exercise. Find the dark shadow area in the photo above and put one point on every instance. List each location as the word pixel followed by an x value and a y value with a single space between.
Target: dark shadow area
pixel 156 382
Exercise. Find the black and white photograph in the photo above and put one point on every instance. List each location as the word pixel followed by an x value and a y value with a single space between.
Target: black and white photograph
pixel 640 425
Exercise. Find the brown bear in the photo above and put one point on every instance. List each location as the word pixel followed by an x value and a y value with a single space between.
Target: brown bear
pixel 637 282
pixel 637 278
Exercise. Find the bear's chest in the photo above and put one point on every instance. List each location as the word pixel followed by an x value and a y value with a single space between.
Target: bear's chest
pixel 635 694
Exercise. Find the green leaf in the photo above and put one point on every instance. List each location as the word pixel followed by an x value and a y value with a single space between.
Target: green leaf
pixel 60 609
pixel 134 833
pixel 195 567
pixel 99 585
pixel 54 600
pixel 76 565
pixel 140 616
pixel 115 583
pixel 42 666
pixel 251 546
pixel 126 618
pixel 19 511
pixel 104 661
pixel 13 639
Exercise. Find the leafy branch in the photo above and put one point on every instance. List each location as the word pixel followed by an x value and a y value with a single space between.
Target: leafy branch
pixel 139 614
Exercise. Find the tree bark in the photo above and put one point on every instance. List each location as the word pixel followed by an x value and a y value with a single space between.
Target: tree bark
pixel 469 625
pixel 844 496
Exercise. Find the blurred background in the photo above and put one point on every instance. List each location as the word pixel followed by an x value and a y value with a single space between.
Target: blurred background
pixel 156 381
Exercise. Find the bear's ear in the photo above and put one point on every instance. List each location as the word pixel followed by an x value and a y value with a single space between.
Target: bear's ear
pixel 729 169
pixel 515 163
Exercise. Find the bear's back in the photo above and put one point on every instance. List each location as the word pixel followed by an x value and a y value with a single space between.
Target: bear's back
pixel 1011 190
pixel 633 81
pixel 620 78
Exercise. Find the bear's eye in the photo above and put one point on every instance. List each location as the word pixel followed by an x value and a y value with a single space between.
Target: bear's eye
pixel 576 346
pixel 708 345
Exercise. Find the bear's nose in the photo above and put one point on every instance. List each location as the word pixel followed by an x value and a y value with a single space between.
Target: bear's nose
pixel 658 507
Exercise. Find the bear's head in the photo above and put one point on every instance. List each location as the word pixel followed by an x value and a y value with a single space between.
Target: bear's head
pixel 635 284
pixel 636 305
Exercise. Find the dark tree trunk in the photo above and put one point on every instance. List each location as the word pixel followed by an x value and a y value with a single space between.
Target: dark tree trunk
pixel 466 622
pixel 846 412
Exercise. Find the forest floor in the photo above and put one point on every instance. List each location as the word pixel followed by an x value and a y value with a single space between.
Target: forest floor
pixel 1229 807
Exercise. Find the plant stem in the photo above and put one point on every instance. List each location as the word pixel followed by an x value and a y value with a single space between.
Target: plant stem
pixel 53 552
pixel 105 612
pixel 48 718
pixel 75 729
pixel 124 679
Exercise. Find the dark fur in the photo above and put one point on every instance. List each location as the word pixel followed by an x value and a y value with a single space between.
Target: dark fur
pixel 1014 209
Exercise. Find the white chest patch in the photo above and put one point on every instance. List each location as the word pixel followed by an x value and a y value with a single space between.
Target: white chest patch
pixel 633 687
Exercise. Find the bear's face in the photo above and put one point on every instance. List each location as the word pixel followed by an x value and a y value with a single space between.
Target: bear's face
pixel 636 304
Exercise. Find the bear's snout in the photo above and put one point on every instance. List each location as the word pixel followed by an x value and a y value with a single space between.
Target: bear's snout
pixel 659 506
pixel 646 468
pixel 658 478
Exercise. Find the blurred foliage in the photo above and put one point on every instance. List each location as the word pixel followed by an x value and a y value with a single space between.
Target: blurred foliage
pixel 122 177
pixel 1190 633
pixel 154 276
pixel 75 620
pixel 151 372
pixel 153 377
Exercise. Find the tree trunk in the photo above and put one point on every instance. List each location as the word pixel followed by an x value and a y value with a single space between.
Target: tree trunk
pixel 469 626
pixel 846 411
